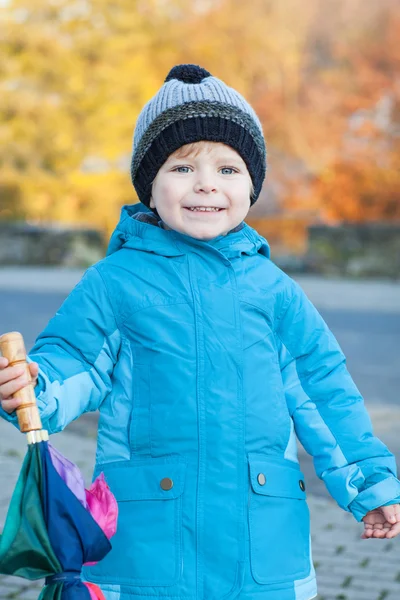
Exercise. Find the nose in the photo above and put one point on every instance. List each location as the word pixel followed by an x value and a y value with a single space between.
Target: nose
pixel 205 184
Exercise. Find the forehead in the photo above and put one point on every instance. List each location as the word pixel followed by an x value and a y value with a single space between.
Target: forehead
pixel 211 150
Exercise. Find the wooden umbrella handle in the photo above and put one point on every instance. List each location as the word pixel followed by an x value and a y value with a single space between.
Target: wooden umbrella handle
pixel 12 347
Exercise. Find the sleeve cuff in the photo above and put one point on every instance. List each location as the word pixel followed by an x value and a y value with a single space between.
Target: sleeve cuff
pixel 11 418
pixel 380 494
pixel 395 501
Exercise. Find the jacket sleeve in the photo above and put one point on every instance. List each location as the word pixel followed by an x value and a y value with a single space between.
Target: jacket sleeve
pixel 329 414
pixel 76 354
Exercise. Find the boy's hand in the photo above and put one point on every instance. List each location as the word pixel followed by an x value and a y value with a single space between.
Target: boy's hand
pixel 383 522
pixel 13 379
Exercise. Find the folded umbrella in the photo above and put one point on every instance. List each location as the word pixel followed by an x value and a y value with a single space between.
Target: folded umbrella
pixel 53 525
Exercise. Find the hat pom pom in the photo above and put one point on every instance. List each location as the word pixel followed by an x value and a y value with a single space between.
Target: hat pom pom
pixel 187 74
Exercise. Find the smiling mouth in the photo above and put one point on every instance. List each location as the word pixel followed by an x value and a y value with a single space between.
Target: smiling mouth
pixel 204 209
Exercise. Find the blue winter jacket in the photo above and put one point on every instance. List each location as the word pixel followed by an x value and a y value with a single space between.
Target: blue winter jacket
pixel 205 361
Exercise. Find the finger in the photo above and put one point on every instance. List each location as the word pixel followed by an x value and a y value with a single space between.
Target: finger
pixel 34 369
pixel 376 530
pixel 379 533
pixel 10 373
pixel 376 524
pixel 395 530
pixel 369 532
pixel 389 512
pixel 396 515
pixel 10 404
pixel 3 362
pixel 9 388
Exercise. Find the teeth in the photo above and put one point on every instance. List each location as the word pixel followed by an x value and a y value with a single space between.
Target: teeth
pixel 205 209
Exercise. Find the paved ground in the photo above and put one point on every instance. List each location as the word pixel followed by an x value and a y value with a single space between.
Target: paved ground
pixel 325 292
pixel 348 568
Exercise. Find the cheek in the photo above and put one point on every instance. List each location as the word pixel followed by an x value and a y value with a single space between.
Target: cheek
pixel 162 193
pixel 170 189
pixel 240 192
pixel 174 198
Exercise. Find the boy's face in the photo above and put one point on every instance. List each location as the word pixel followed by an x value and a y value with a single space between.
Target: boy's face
pixel 213 175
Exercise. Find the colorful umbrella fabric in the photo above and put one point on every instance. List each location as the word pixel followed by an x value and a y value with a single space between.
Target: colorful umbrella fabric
pixel 54 526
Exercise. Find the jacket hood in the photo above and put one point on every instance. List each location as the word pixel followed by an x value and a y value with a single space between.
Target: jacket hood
pixel 140 229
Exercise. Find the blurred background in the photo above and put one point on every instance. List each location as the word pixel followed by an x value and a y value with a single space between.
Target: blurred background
pixel 324 78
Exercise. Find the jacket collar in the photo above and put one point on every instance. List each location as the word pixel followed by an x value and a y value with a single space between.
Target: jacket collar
pixel 140 229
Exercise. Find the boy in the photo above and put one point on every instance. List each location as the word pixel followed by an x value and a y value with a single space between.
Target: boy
pixel 205 361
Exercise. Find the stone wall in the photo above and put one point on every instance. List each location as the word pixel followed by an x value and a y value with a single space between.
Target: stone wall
pixel 355 250
pixel 352 250
pixel 25 244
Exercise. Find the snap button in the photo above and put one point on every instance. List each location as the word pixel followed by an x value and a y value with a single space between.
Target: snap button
pixel 166 483
pixel 261 478
pixel 301 484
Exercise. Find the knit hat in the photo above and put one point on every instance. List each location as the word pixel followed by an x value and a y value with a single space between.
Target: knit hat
pixel 193 106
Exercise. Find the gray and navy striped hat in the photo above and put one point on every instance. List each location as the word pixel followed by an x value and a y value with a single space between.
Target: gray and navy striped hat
pixel 192 106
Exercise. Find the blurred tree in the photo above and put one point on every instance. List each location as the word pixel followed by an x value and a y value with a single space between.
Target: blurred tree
pixel 74 78
pixel 360 191
pixel 11 208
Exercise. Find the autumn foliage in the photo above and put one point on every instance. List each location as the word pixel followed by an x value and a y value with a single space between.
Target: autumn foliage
pixel 324 78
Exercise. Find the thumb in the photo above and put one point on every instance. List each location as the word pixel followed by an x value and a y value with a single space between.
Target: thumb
pixel 391 513
pixel 34 370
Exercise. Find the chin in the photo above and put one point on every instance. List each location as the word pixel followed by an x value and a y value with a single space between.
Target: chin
pixel 206 236
pixel 200 233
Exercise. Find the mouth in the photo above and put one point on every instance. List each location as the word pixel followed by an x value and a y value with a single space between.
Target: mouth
pixel 204 209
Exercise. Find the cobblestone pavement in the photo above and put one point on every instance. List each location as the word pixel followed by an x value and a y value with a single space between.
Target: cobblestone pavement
pixel 348 568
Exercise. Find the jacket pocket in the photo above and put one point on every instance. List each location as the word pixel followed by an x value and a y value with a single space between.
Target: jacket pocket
pixel 147 547
pixel 279 520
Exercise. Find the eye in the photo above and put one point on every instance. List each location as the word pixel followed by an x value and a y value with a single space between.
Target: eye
pixel 178 169
pixel 228 169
